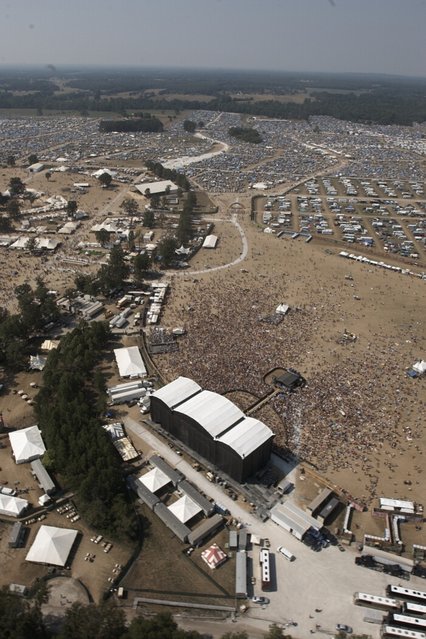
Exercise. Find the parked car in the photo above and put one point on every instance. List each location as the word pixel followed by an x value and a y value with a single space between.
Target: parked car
pixel 341 627
pixel 260 600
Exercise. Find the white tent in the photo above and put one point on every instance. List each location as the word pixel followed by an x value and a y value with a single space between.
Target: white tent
pixel 12 506
pixel 37 362
pixel 27 444
pixel 184 509
pixel 214 556
pixel 154 480
pixel 282 309
pixel 420 367
pixel 130 362
pixel 52 545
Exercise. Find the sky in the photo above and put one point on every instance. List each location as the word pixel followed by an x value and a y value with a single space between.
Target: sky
pixel 366 36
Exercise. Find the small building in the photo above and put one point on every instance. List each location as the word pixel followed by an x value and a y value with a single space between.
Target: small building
pixel 17 535
pixel 233 539
pixel 188 489
pixel 36 168
pixel 205 529
pixel 319 501
pixel 327 511
pixel 210 242
pixel 214 556
pixel 144 494
pixel 293 519
pixel 157 188
pixel 241 574
pixel 167 517
pixel 43 477
pixel 289 380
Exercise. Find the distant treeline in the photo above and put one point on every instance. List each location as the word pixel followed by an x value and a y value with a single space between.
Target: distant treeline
pixel 168 174
pixel 363 98
pixel 245 134
pixel 148 124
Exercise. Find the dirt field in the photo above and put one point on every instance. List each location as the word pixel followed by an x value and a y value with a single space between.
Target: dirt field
pixel 190 580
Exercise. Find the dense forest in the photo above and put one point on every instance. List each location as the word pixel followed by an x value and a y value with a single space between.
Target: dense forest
pixel 356 97
pixel 68 408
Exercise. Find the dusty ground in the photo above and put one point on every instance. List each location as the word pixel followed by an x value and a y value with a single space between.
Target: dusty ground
pixel 190 580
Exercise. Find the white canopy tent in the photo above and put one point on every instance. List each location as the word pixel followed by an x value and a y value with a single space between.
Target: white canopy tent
pixel 52 545
pixel 130 362
pixel 420 367
pixel 27 444
pixel 210 241
pixel 154 480
pixel 184 509
pixel 12 506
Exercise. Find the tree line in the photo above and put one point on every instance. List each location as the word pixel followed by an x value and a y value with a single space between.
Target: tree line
pixel 21 619
pixel 245 134
pixel 68 408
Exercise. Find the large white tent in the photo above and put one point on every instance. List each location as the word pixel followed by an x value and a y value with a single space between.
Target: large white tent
pixel 27 444
pixel 154 480
pixel 184 509
pixel 12 506
pixel 130 362
pixel 52 545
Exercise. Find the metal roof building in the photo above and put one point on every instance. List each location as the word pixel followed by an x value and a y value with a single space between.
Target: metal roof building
pixel 206 528
pixel 27 444
pixel 293 519
pixel 175 476
pixel 167 517
pixel 319 501
pixel 43 477
pixel 188 489
pixel 241 574
pixel 213 427
pixel 144 494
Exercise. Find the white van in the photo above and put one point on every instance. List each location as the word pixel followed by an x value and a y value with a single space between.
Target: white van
pixel 287 554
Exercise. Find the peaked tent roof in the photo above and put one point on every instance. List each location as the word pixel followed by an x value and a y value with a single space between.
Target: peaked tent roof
pixel 27 444
pixel 185 509
pixel 52 545
pixel 214 556
pixel 130 362
pixel 154 480
pixel 12 506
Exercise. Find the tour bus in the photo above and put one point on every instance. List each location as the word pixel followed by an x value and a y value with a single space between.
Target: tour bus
pixel 399 592
pixel 394 631
pixel 412 608
pixel 396 619
pixel 374 601
pixel 265 568
pixel 287 554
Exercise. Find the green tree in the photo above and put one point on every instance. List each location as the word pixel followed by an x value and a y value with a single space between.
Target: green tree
pixel 105 179
pixel 32 159
pixel 5 225
pixel 19 620
pixel 155 201
pixel 189 126
pixel 162 626
pixel 275 632
pixel 16 186
pixel 102 236
pixel 131 240
pixel 130 206
pixel 13 208
pixel 141 264
pixel 31 244
pixel 72 207
pixel 235 635
pixel 166 250
pixel 48 175
pixel 149 218
pixel 113 274
pixel 11 160
pixel 105 621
